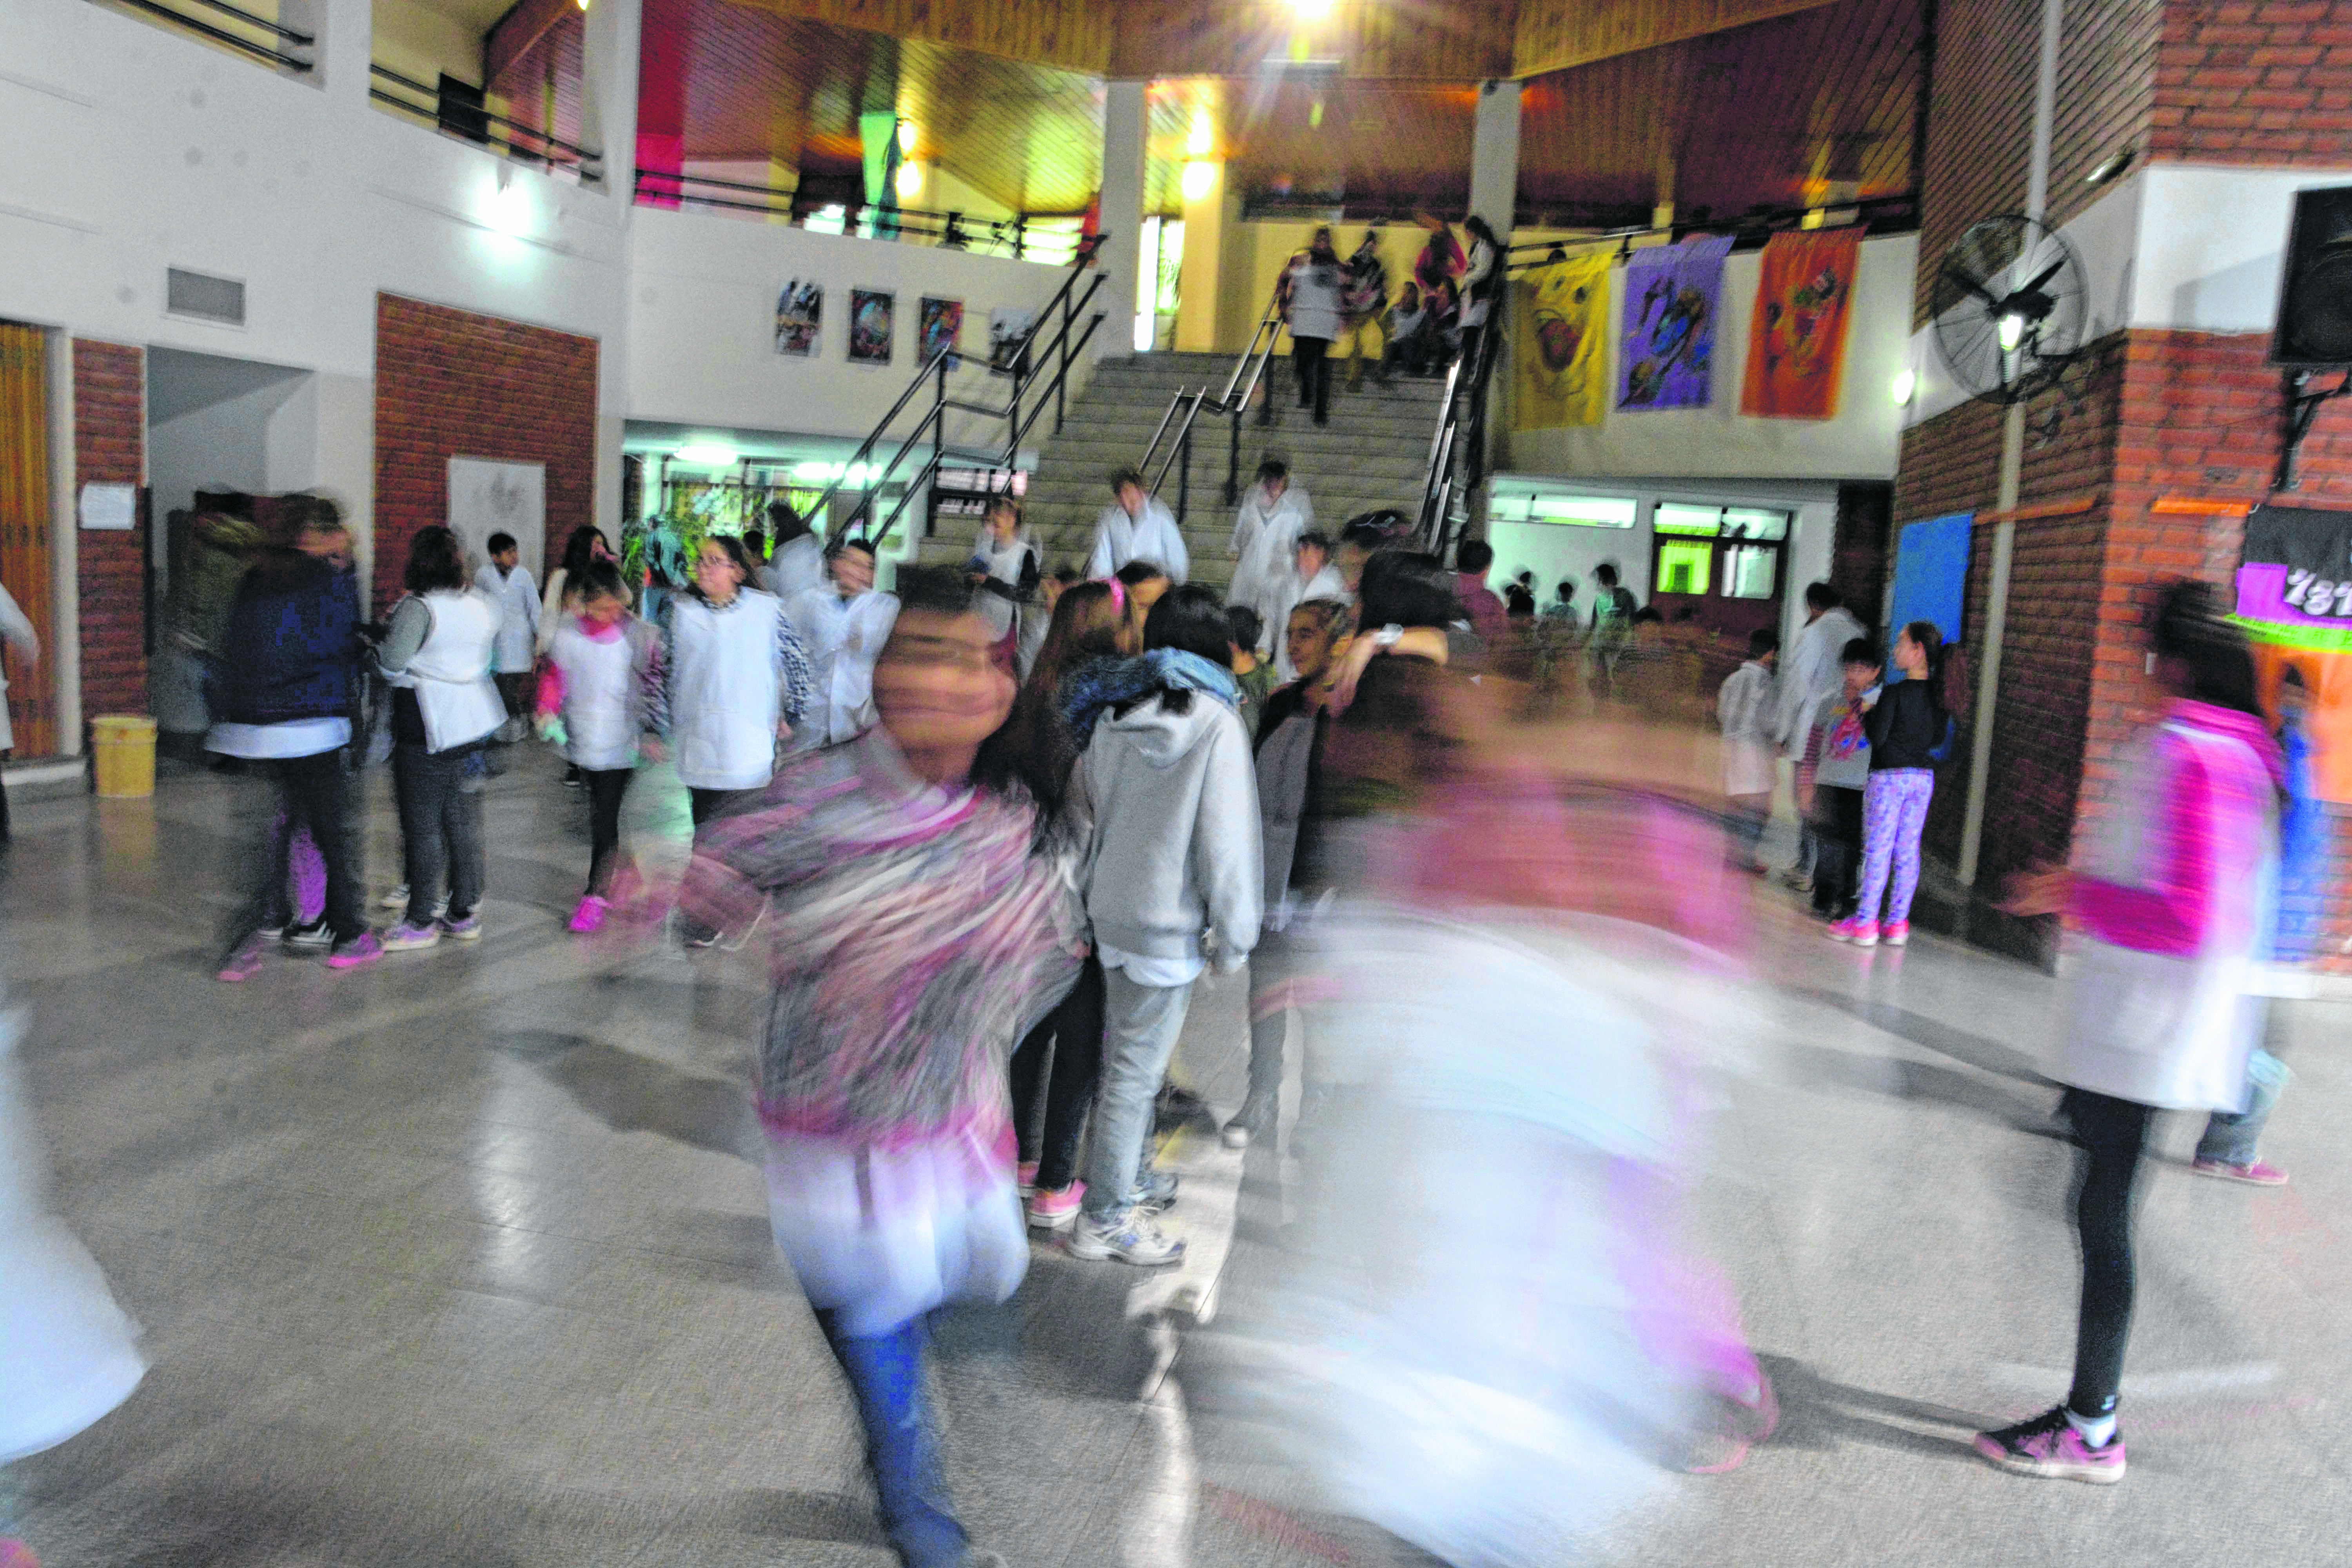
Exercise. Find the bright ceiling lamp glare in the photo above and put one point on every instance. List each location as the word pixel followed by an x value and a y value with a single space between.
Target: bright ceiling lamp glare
pixel 707 457
pixel 510 210
pixel 1312 10
pixel 2012 331
pixel 1200 179
pixel 910 181
pixel 905 136
pixel 1906 382
pixel 1202 140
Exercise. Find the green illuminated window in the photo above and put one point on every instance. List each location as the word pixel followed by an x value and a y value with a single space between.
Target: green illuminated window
pixel 1683 566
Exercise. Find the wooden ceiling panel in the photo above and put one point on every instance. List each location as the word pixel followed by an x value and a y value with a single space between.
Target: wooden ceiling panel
pixel 1448 40
pixel 1559 35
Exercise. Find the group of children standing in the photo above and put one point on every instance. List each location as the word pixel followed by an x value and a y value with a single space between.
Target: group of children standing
pixel 1866 747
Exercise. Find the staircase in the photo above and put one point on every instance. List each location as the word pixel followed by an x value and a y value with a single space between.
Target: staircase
pixel 1374 453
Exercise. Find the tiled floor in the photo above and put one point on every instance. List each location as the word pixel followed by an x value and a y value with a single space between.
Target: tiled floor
pixel 462 1259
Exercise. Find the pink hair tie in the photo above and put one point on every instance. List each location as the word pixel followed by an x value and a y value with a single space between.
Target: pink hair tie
pixel 1117 593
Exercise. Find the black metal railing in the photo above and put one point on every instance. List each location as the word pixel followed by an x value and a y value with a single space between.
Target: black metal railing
pixel 1457 449
pixel 1021 236
pixel 261 51
pixel 1186 408
pixel 517 139
pixel 1039 365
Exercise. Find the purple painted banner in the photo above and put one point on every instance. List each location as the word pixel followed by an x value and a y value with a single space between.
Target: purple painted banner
pixel 1673 297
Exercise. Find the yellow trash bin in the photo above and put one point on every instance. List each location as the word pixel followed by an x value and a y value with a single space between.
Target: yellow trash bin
pixel 124 745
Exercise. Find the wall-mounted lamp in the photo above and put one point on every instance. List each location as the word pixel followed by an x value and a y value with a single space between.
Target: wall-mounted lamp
pixel 2013 332
pixel 2112 169
pixel 1906 382
pixel 910 181
pixel 1200 179
pixel 709 456
pixel 905 136
pixel 1202 140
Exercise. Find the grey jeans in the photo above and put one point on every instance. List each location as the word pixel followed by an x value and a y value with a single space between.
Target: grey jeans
pixel 440 828
pixel 2230 1137
pixel 1141 1027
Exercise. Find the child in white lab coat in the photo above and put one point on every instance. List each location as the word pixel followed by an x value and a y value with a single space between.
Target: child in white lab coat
pixel 1747 709
pixel 508 583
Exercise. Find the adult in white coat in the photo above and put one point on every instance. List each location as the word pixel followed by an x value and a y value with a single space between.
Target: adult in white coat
pixel 735 679
pixel 508 583
pixel 437 655
pixel 842 626
pixel 1812 673
pixel 19 634
pixel 1274 512
pixel 1136 527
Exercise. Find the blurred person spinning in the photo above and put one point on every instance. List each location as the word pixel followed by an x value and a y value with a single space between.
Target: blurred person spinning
pixel 1747 709
pixel 914 936
pixel 2173 899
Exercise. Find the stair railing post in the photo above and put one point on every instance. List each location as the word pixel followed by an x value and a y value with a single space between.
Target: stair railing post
pixel 1184 474
pixel 1062 379
pixel 1234 460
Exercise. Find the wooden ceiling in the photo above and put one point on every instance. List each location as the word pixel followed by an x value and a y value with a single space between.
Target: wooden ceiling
pixel 1815 102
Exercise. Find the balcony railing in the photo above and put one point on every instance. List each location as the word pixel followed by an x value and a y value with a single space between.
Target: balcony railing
pixel 234 28
pixel 472 122
pixel 1028 237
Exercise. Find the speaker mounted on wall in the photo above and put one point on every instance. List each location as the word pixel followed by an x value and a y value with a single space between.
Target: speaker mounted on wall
pixel 2314 314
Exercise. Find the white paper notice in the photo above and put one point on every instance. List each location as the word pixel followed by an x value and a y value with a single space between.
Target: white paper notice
pixel 110 505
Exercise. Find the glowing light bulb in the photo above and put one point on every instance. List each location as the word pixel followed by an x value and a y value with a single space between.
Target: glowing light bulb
pixel 1203 138
pixel 910 181
pixel 1312 10
pixel 1906 382
pixel 1200 179
pixel 2012 331
pixel 905 136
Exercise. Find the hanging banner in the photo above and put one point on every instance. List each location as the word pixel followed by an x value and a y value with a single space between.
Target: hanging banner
pixel 1796 343
pixel 2295 601
pixel 1560 361
pixel 1672 294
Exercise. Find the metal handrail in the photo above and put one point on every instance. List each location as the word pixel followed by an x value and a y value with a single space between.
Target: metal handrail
pixel 221 34
pixel 954 230
pixel 1061 346
pixel 1461 416
pixel 583 156
pixel 1240 387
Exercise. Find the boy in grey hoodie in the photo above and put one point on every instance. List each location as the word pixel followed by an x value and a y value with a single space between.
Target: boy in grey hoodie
pixel 1175 857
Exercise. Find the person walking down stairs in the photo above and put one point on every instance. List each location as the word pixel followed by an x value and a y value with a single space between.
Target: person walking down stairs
pixel 1273 515
pixel 1136 526
pixel 1313 307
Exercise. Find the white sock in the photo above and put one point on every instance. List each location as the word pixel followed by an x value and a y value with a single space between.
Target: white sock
pixel 2095 1430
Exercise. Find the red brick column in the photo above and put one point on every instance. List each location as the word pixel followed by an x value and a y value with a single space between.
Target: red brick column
pixel 453 383
pixel 110 448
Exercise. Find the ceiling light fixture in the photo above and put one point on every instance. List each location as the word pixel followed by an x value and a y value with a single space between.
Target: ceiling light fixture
pixel 707 456
pixel 910 181
pixel 1312 10
pixel 905 136
pixel 1203 138
pixel 1200 179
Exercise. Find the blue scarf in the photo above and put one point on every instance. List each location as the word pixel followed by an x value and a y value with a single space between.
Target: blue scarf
pixel 1102 684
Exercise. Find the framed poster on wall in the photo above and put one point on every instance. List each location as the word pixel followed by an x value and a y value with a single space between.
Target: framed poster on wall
pixel 871 312
pixel 1008 340
pixel 800 318
pixel 488 497
pixel 940 327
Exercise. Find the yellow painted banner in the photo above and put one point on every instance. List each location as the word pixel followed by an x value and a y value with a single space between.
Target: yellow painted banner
pixel 1560 351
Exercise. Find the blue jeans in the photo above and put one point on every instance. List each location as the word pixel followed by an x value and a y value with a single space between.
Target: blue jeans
pixel 902 1445
pixel 1141 1022
pixel 2231 1136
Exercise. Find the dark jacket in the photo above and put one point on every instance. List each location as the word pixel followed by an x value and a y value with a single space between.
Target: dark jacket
pixel 290 648
pixel 1904 726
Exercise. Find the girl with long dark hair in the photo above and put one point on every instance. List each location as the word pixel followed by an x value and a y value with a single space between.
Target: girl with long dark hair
pixel 1906 723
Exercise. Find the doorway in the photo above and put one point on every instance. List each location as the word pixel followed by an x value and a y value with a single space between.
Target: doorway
pixel 1721 569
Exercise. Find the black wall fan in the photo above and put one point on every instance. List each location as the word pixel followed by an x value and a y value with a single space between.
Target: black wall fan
pixel 2009 303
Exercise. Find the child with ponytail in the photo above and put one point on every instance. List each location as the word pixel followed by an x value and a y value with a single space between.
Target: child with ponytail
pixel 1907 723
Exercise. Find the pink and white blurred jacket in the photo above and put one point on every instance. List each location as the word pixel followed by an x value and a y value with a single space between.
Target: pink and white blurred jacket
pixel 2176 898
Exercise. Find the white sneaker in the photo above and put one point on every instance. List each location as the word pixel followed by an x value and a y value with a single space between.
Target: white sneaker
pixel 396 900
pixel 1131 1237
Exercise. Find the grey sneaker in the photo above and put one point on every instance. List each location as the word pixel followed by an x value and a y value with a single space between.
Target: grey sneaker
pixel 1131 1237
pixel 467 930
pixel 1253 1120
pixel 1155 1190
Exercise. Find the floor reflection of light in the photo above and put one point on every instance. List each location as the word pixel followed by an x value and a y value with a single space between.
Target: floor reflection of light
pixel 515 1157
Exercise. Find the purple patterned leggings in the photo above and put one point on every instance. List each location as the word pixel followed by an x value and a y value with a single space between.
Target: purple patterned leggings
pixel 1894 813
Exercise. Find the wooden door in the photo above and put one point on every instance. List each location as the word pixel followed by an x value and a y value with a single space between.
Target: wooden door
pixel 24 530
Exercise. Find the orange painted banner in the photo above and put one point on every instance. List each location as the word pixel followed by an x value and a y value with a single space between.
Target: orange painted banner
pixel 1796 341
pixel 2328 678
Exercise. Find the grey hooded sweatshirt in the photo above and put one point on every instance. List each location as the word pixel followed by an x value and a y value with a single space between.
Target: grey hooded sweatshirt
pixel 1176 846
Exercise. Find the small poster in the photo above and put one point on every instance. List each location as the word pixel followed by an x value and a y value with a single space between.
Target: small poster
pixel 110 505
pixel 800 319
pixel 942 325
pixel 1008 340
pixel 488 496
pixel 870 315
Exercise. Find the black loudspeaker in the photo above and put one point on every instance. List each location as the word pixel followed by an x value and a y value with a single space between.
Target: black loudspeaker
pixel 2314 316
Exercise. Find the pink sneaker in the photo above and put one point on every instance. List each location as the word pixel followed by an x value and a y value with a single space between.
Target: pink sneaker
pixel 2049 1447
pixel 242 963
pixel 1855 929
pixel 1896 934
pixel 589 917
pixel 1055 1210
pixel 16 1554
pixel 1024 1176
pixel 2253 1174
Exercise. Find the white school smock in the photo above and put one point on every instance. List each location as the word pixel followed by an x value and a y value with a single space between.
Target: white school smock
pixel 451 672
pixel 517 598
pixel 843 637
pixel 599 696
pixel 1119 538
pixel 727 690
pixel 1265 544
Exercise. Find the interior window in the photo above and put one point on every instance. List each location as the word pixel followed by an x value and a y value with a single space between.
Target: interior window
pixel 1683 566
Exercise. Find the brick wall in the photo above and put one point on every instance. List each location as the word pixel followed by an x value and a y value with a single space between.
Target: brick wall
pixel 1980 122
pixel 2253 83
pixel 110 448
pixel 2107 91
pixel 1861 548
pixel 453 383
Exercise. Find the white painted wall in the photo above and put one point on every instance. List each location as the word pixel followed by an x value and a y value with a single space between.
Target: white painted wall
pixel 1554 551
pixel 216 424
pixel 702 322
pixel 1862 442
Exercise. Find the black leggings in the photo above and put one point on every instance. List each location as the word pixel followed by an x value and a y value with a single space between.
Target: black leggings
pixel 1310 359
pixel 2112 1132
pixel 1072 1035
pixel 706 804
pixel 605 788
